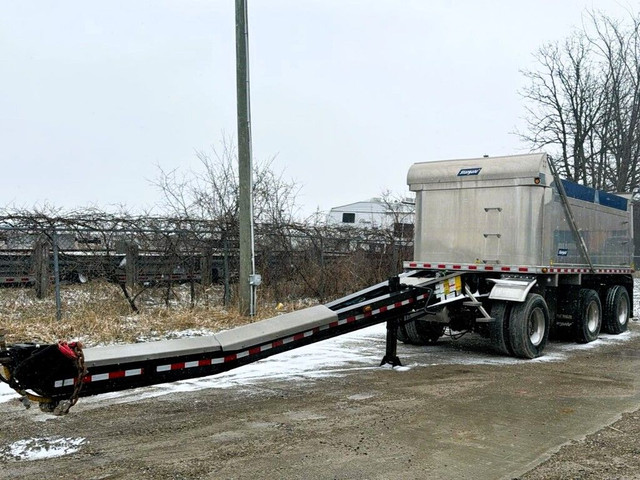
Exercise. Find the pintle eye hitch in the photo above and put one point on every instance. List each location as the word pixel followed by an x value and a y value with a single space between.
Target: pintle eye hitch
pixel 29 368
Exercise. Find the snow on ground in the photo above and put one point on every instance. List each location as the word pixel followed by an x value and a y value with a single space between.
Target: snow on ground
pixel 41 448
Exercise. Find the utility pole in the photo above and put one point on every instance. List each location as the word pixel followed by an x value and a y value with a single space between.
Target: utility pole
pixel 247 283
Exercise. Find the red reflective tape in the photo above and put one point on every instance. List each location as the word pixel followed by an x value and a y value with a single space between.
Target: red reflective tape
pixel 118 374
pixel 413 264
pixel 86 379
pixel 457 267
pixel 397 304
pixel 383 309
pixel 254 350
pixel 177 366
pixel 488 267
pixel 426 265
pixel 333 324
pixel 506 269
pixel 473 267
pixel 230 358
pixel 204 362
pixel 442 265
pixel 316 330
pixel 351 319
pixel 277 343
pixel 523 269
pixel 298 336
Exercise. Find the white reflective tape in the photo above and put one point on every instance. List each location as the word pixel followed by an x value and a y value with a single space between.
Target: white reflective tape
pixel 163 368
pixel 242 354
pixel 57 384
pixel 191 364
pixel 131 373
pixel 99 377
pixel 307 334
pixel 264 348
pixel 342 322
pixel 217 360
pixel 69 382
pixel 287 340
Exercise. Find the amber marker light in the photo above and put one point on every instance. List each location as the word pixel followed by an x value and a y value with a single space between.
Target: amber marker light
pixel 545 269
pixel 367 309
pixel 536 181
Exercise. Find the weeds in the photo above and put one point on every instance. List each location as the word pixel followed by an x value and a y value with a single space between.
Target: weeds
pixel 96 313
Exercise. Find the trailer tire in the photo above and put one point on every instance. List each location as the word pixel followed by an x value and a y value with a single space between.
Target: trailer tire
pixel 529 327
pixel 423 333
pixel 499 327
pixel 588 316
pixel 402 332
pixel 616 310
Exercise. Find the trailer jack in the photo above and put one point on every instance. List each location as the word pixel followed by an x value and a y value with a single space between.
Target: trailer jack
pixel 391 352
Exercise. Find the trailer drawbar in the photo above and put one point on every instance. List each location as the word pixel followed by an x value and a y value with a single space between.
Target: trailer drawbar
pixel 56 375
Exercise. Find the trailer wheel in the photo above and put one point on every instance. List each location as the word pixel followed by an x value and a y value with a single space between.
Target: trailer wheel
pixel 423 333
pixel 529 327
pixel 588 317
pixel 499 328
pixel 616 310
pixel 402 333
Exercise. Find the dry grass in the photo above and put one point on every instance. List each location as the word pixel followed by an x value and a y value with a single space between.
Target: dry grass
pixel 97 313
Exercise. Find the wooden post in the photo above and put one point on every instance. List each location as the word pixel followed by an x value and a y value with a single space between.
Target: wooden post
pixel 205 268
pixel 131 267
pixel 40 266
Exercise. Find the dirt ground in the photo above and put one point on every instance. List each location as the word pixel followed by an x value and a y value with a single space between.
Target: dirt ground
pixel 478 420
pixel 611 453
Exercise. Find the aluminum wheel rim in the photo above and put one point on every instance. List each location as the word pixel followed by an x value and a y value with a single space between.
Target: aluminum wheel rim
pixel 623 311
pixel 593 314
pixel 536 327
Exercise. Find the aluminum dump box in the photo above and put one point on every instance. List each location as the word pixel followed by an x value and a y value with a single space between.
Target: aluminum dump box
pixel 507 210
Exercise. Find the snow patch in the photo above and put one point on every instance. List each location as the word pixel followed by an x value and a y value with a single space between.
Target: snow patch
pixel 41 448
pixel 7 393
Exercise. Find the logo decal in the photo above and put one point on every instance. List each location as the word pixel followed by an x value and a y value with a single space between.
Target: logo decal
pixel 563 252
pixel 467 172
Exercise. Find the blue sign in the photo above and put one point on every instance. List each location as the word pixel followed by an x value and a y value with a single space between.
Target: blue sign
pixel 563 252
pixel 467 172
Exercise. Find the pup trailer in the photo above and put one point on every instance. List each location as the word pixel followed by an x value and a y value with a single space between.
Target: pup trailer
pixel 503 247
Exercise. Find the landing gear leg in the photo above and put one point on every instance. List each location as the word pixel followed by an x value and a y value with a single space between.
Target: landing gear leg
pixel 391 354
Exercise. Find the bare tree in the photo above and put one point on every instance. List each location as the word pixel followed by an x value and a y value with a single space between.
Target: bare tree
pixel 583 103
pixel 211 192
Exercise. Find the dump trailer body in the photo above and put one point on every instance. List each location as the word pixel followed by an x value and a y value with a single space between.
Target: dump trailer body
pixel 535 251
pixel 508 211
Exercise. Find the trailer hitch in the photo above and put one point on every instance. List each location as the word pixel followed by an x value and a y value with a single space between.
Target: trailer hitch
pixel 31 369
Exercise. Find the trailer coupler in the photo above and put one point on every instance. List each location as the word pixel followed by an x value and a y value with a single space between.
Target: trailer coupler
pixel 29 367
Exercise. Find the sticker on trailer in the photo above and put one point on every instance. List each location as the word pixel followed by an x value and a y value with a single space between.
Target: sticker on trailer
pixel 467 172
pixel 563 252
pixel 449 288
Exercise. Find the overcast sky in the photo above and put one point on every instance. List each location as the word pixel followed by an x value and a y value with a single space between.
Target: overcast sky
pixel 347 94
